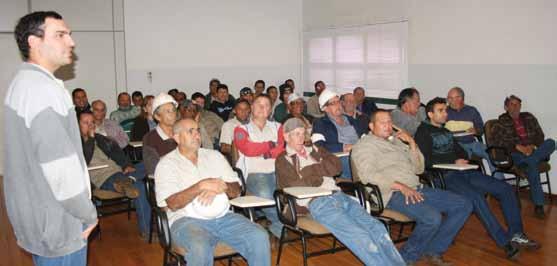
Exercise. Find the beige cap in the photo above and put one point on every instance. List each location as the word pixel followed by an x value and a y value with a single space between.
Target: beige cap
pixel 163 98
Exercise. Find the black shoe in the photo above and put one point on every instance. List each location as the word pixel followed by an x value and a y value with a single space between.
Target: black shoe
pixel 538 212
pixel 521 241
pixel 511 251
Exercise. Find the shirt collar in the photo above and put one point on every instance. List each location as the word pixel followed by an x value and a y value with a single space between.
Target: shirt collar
pixel 48 73
pixel 161 133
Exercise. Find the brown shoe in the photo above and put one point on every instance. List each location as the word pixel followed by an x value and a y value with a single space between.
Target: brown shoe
pixel 126 187
pixel 436 260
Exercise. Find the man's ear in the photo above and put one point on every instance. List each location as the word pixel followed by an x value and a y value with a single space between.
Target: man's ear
pixel 33 41
pixel 176 138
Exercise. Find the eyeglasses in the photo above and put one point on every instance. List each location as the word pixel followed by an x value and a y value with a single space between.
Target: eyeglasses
pixel 332 103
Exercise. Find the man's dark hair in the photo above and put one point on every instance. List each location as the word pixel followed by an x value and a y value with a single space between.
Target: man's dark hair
pixel 317 83
pixel 271 88
pixel 222 86
pixel 173 91
pixel 258 82
pixel 431 104
pixel 512 97
pixel 374 114
pixel 88 112
pixel 197 95
pixel 76 90
pixel 137 94
pixel 122 94
pixel 291 80
pixel 31 24
pixel 213 81
pixel 405 95
pixel 358 89
pixel 241 101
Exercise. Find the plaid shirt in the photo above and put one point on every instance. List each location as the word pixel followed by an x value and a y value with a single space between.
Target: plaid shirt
pixel 505 135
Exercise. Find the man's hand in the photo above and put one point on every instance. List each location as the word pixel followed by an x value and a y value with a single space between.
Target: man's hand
pixel 472 130
pixel 128 169
pixel 525 149
pixel 405 137
pixel 346 147
pixel 412 196
pixel 85 234
pixel 206 197
pixel 216 185
pixel 461 161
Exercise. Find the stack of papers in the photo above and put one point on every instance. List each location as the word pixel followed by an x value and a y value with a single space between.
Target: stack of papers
pixel 458 167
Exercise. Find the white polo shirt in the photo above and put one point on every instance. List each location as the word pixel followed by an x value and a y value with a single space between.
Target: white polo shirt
pixel 227 131
pixel 176 173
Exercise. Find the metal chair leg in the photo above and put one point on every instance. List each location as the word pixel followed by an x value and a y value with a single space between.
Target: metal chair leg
pixel 304 249
pixel 280 244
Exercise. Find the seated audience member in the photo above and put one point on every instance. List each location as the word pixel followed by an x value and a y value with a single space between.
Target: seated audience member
pixel 212 95
pixel 384 159
pixel 159 142
pixel 348 103
pixel 180 97
pixel 100 150
pixel 272 91
pixel 313 101
pixel 193 111
pixel 106 127
pixel 137 99
pixel 259 87
pixel 259 142
pixel 296 106
pixel 125 110
pixel 222 105
pixel 194 184
pixel 409 114
pixel 241 112
pixel 281 110
pixel 336 131
pixel 198 98
pixel 291 84
pixel 79 97
pixel 439 147
pixel 521 134
pixel 363 105
pixel 340 214
pixel 144 122
pixel 463 117
pixel 247 94
pixel 173 92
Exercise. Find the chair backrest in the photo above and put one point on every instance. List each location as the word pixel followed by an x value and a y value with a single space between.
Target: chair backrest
pixel 489 129
pixel 372 200
pixel 127 125
pixel 150 189
pixel 163 229
pixel 353 169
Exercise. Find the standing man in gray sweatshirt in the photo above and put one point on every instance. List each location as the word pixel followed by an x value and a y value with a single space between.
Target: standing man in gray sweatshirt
pixel 46 184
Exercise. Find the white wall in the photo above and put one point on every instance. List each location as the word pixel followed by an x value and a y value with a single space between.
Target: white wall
pixel 98 32
pixel 489 48
pixel 185 43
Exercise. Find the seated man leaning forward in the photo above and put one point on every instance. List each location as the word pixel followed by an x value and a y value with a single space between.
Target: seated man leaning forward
pixel 195 184
pixel 439 147
pixel 392 162
pixel 100 150
pixel 305 166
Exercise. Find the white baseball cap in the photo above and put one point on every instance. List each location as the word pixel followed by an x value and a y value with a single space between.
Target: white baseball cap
pixel 163 98
pixel 325 96
pixel 293 97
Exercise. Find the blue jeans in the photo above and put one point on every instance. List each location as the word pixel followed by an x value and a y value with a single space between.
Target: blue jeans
pixel 349 222
pixel 199 237
pixel 264 185
pixel 77 258
pixel 473 185
pixel 479 149
pixel 142 207
pixel 531 163
pixel 433 233
pixel 346 170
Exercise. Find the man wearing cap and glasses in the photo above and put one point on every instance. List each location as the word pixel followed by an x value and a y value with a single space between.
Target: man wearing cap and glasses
pixel 344 217
pixel 336 131
pixel 247 94
pixel 158 142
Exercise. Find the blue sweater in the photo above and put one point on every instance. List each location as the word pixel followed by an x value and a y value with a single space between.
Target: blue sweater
pixel 325 127
pixel 470 114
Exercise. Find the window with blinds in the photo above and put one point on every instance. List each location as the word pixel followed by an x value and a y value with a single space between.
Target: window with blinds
pixel 372 57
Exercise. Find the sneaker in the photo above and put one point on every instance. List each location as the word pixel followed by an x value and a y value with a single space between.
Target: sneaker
pixel 125 186
pixel 437 260
pixel 521 241
pixel 539 212
pixel 511 251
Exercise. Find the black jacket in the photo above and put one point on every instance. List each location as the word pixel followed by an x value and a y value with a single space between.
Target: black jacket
pixel 438 145
pixel 108 146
